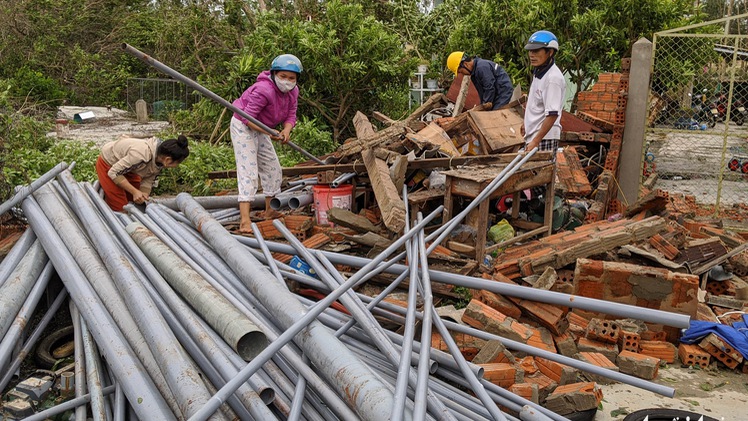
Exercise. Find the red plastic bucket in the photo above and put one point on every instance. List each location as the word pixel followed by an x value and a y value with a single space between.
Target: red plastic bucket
pixel 326 198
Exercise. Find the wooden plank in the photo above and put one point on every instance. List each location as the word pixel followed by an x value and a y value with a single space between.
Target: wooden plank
pixel 383 118
pixel 429 163
pixel 461 96
pixel 363 126
pixel 390 204
pixel 499 128
pixel 434 136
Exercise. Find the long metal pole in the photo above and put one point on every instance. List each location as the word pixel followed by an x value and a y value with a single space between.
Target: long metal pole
pixel 128 368
pixel 31 341
pixel 10 261
pixel 428 306
pixel 208 94
pixel 24 191
pixel 21 281
pixel 81 412
pixel 366 320
pixel 551 297
pixel 235 328
pixel 30 302
pixel 209 260
pixel 59 409
pixel 182 376
pixel 93 377
pixel 352 378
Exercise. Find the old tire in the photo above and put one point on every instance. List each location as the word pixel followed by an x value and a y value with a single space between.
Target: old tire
pixel 657 414
pixel 51 342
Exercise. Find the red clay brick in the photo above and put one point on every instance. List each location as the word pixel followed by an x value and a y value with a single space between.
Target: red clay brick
pixel 500 374
pixel 629 341
pixel 575 397
pixel 603 330
pixel 639 365
pixel 693 355
pixel 662 350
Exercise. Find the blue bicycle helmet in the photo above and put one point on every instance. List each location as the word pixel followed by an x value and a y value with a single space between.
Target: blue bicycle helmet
pixel 287 62
pixel 542 39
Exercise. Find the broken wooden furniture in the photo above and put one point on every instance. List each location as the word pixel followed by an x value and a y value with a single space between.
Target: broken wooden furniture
pixel 468 183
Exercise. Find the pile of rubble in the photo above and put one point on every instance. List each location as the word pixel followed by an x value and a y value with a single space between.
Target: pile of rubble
pixel 344 308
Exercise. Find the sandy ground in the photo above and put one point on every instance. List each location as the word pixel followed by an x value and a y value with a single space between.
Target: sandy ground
pixel 721 394
pixel 108 125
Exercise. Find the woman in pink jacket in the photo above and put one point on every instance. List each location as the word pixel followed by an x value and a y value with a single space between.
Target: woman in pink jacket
pixel 272 100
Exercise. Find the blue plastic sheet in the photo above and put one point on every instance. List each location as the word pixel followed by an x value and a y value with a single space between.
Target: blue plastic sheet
pixel 735 335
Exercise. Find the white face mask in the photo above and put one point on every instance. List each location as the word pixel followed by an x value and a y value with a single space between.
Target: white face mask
pixel 285 85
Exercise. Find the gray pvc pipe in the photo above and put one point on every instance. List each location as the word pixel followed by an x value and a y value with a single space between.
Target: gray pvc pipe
pixel 10 261
pixel 15 331
pixel 21 281
pixel 211 202
pixel 128 369
pixel 300 200
pixel 343 178
pixel 281 199
pixel 71 404
pixel 81 412
pixel 93 377
pixel 168 298
pixel 209 260
pixel 304 182
pixel 31 340
pixel 551 297
pixel 340 367
pixel 235 328
pixel 23 192
pixel 183 377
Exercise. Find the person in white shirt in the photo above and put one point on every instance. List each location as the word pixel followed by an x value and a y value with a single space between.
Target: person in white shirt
pixel 545 100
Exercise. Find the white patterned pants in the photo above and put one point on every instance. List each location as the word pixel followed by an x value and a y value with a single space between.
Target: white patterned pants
pixel 255 157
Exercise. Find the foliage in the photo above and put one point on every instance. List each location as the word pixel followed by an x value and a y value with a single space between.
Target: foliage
pixel 309 135
pixel 349 58
pixel 192 174
pixel 36 162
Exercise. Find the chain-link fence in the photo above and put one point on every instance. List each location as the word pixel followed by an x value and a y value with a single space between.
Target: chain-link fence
pixel 162 96
pixel 697 119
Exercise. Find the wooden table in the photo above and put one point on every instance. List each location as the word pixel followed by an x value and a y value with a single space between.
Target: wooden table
pixel 469 182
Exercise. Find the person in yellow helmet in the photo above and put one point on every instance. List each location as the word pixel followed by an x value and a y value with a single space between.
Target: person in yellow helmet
pixel 491 80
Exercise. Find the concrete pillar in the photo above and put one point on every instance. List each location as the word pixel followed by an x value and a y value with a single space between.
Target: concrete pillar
pixel 141 111
pixel 630 162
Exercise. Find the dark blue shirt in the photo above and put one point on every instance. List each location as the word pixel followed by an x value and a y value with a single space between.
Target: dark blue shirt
pixel 492 82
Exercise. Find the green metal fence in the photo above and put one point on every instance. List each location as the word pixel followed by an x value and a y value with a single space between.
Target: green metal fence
pixel 697 121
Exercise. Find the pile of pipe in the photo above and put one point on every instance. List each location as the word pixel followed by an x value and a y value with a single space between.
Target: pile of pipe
pixel 176 318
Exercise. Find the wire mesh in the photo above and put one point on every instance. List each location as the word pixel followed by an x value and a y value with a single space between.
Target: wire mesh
pixel 162 96
pixel 697 122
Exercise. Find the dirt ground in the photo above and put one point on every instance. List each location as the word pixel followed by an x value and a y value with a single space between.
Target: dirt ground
pixel 720 394
pixel 109 124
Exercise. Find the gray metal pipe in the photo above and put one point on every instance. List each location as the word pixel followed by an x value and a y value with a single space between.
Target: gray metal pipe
pixel 235 328
pixel 208 94
pixel 550 297
pixel 182 376
pixel 93 370
pixel 33 338
pixel 327 272
pixel 211 202
pixel 10 261
pixel 401 384
pixel 428 303
pixel 21 281
pixel 23 192
pixel 120 404
pixel 281 199
pixel 81 412
pixel 15 331
pixel 209 259
pixel 129 370
pixel 340 367
pixel 343 178
pixel 428 306
pixel 165 294
pixel 66 406
pixel 304 182
pixel 300 200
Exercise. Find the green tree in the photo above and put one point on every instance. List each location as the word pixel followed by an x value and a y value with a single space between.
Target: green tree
pixel 351 61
